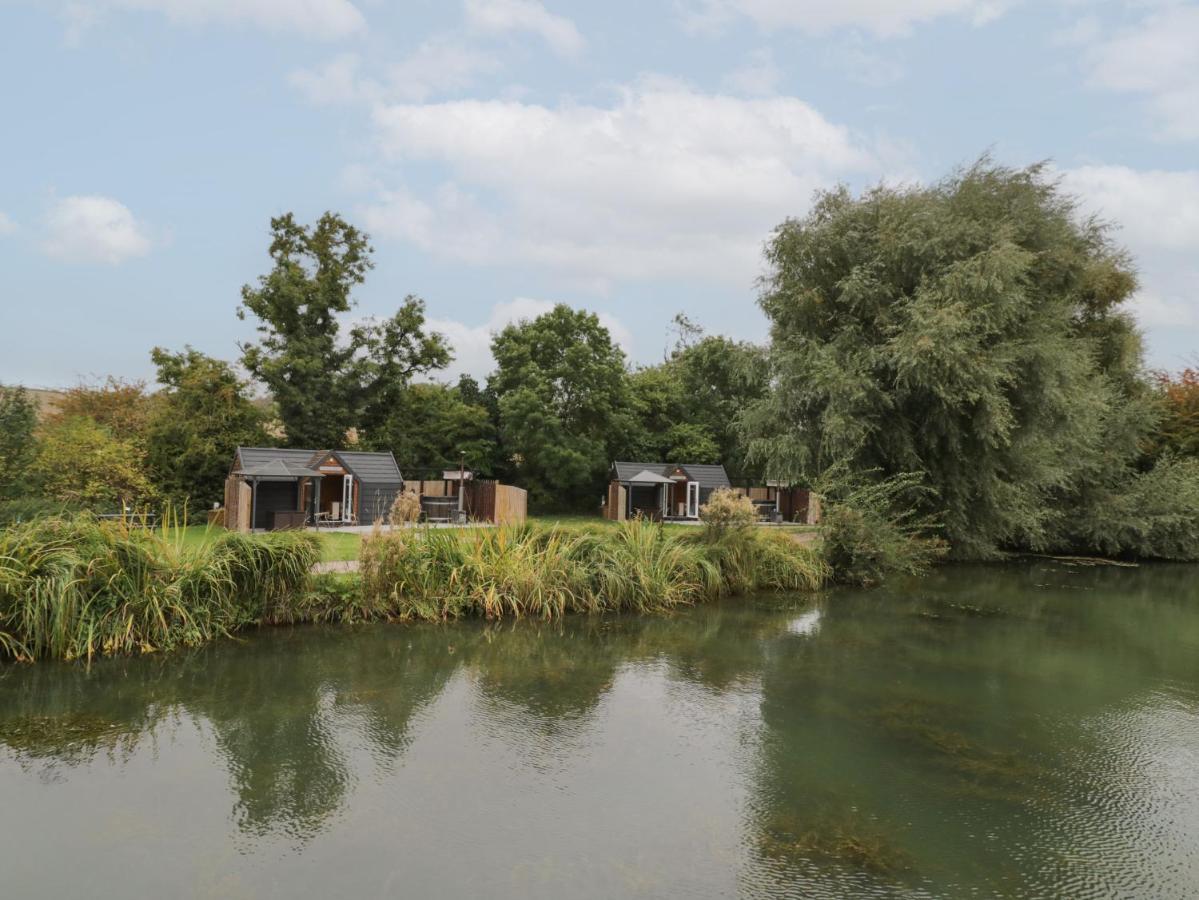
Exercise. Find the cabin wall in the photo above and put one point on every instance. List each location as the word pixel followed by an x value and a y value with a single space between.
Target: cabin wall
pixel 375 499
pixel 273 497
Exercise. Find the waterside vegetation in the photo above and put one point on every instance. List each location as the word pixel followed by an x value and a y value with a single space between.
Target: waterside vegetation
pixel 74 588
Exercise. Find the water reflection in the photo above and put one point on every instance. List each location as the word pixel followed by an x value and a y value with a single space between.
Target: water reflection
pixel 1001 730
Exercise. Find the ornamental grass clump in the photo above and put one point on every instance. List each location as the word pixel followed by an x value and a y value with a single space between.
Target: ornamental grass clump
pixel 79 587
pixel 521 571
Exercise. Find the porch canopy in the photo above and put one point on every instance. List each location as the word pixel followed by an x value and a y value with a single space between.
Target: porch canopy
pixel 278 468
pixel 645 476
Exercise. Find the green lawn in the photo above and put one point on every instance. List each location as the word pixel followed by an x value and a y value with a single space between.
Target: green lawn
pixel 335 545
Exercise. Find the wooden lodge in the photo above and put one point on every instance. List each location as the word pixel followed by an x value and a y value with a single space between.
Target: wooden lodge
pixel 269 488
pixel 677 492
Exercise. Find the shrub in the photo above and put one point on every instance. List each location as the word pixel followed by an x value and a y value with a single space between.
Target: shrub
pixel 727 509
pixel 869 531
pixel 405 508
pixel 77 587
pixel 546 572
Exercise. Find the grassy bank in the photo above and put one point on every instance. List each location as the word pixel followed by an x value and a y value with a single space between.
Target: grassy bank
pixel 76 588
pixel 72 588
pixel 547 572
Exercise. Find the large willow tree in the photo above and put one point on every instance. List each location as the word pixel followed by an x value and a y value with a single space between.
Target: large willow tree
pixel 972 331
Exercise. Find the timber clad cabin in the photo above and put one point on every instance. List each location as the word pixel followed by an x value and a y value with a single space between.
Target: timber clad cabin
pixel 677 492
pixel 661 490
pixel 271 487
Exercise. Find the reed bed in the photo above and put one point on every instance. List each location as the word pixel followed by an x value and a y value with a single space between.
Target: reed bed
pixel 76 587
pixel 528 571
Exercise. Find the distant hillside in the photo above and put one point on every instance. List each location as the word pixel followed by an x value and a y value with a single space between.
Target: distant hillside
pixel 47 399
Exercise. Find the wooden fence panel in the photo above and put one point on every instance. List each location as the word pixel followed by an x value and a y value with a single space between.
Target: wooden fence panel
pixel 511 505
pixel 237 504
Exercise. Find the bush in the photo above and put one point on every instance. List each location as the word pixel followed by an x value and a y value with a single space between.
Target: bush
pixel 869 531
pixel 405 508
pixel 524 570
pixel 727 509
pixel 78 587
pixel 26 509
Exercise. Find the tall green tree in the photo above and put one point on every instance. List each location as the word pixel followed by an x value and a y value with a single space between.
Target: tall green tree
pixel 685 409
pixel 18 447
pixel 431 426
pixel 972 332
pixel 81 461
pixel 325 383
pixel 559 385
pixel 204 412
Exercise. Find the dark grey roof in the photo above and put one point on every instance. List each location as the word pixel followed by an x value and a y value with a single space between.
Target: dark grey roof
pixel 277 468
pixel 708 476
pixel 370 468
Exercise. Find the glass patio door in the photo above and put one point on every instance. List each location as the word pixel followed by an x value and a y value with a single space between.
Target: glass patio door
pixel 347 498
pixel 693 499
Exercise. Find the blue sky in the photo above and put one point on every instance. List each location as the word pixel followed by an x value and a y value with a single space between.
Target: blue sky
pixel 625 157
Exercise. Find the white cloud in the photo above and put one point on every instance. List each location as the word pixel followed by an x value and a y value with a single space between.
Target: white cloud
pixel 472 343
pixel 758 77
pixel 665 182
pixel 1159 59
pixel 320 19
pixel 7 225
pixel 884 18
pixel 93 229
pixel 438 66
pixel 1156 210
pixel 1157 214
pixel 498 16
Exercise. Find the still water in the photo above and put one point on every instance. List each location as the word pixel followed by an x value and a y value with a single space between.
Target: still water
pixel 1007 731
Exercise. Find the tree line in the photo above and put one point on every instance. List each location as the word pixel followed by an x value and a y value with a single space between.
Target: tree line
pixel 561 404
pixel 960 353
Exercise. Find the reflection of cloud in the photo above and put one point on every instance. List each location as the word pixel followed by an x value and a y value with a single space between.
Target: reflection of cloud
pixel 807 624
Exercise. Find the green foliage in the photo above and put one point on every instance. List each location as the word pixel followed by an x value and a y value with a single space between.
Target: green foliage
pixel 870 530
pixel 396 349
pixel 527 571
pixel 18 447
pixel 559 385
pixel 75 588
pixel 429 426
pixel 1151 514
pixel 28 508
pixel 727 509
pixel 121 407
pixel 970 331
pixel 1178 430
pixel 82 462
pixel 202 415
pixel 686 409
pixel 322 384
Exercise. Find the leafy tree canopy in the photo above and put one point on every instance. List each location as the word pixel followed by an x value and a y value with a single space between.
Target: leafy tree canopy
pixel 430 426
pixel 325 384
pixel 203 414
pixel 123 407
pixel 971 331
pixel 18 448
pixel 559 385
pixel 82 461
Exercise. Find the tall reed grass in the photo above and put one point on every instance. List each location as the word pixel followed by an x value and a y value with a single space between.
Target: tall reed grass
pixel 524 571
pixel 77 587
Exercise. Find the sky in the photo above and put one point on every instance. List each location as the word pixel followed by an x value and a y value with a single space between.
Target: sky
pixel 630 158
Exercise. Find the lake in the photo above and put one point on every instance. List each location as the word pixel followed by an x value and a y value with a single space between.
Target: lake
pixel 1021 730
